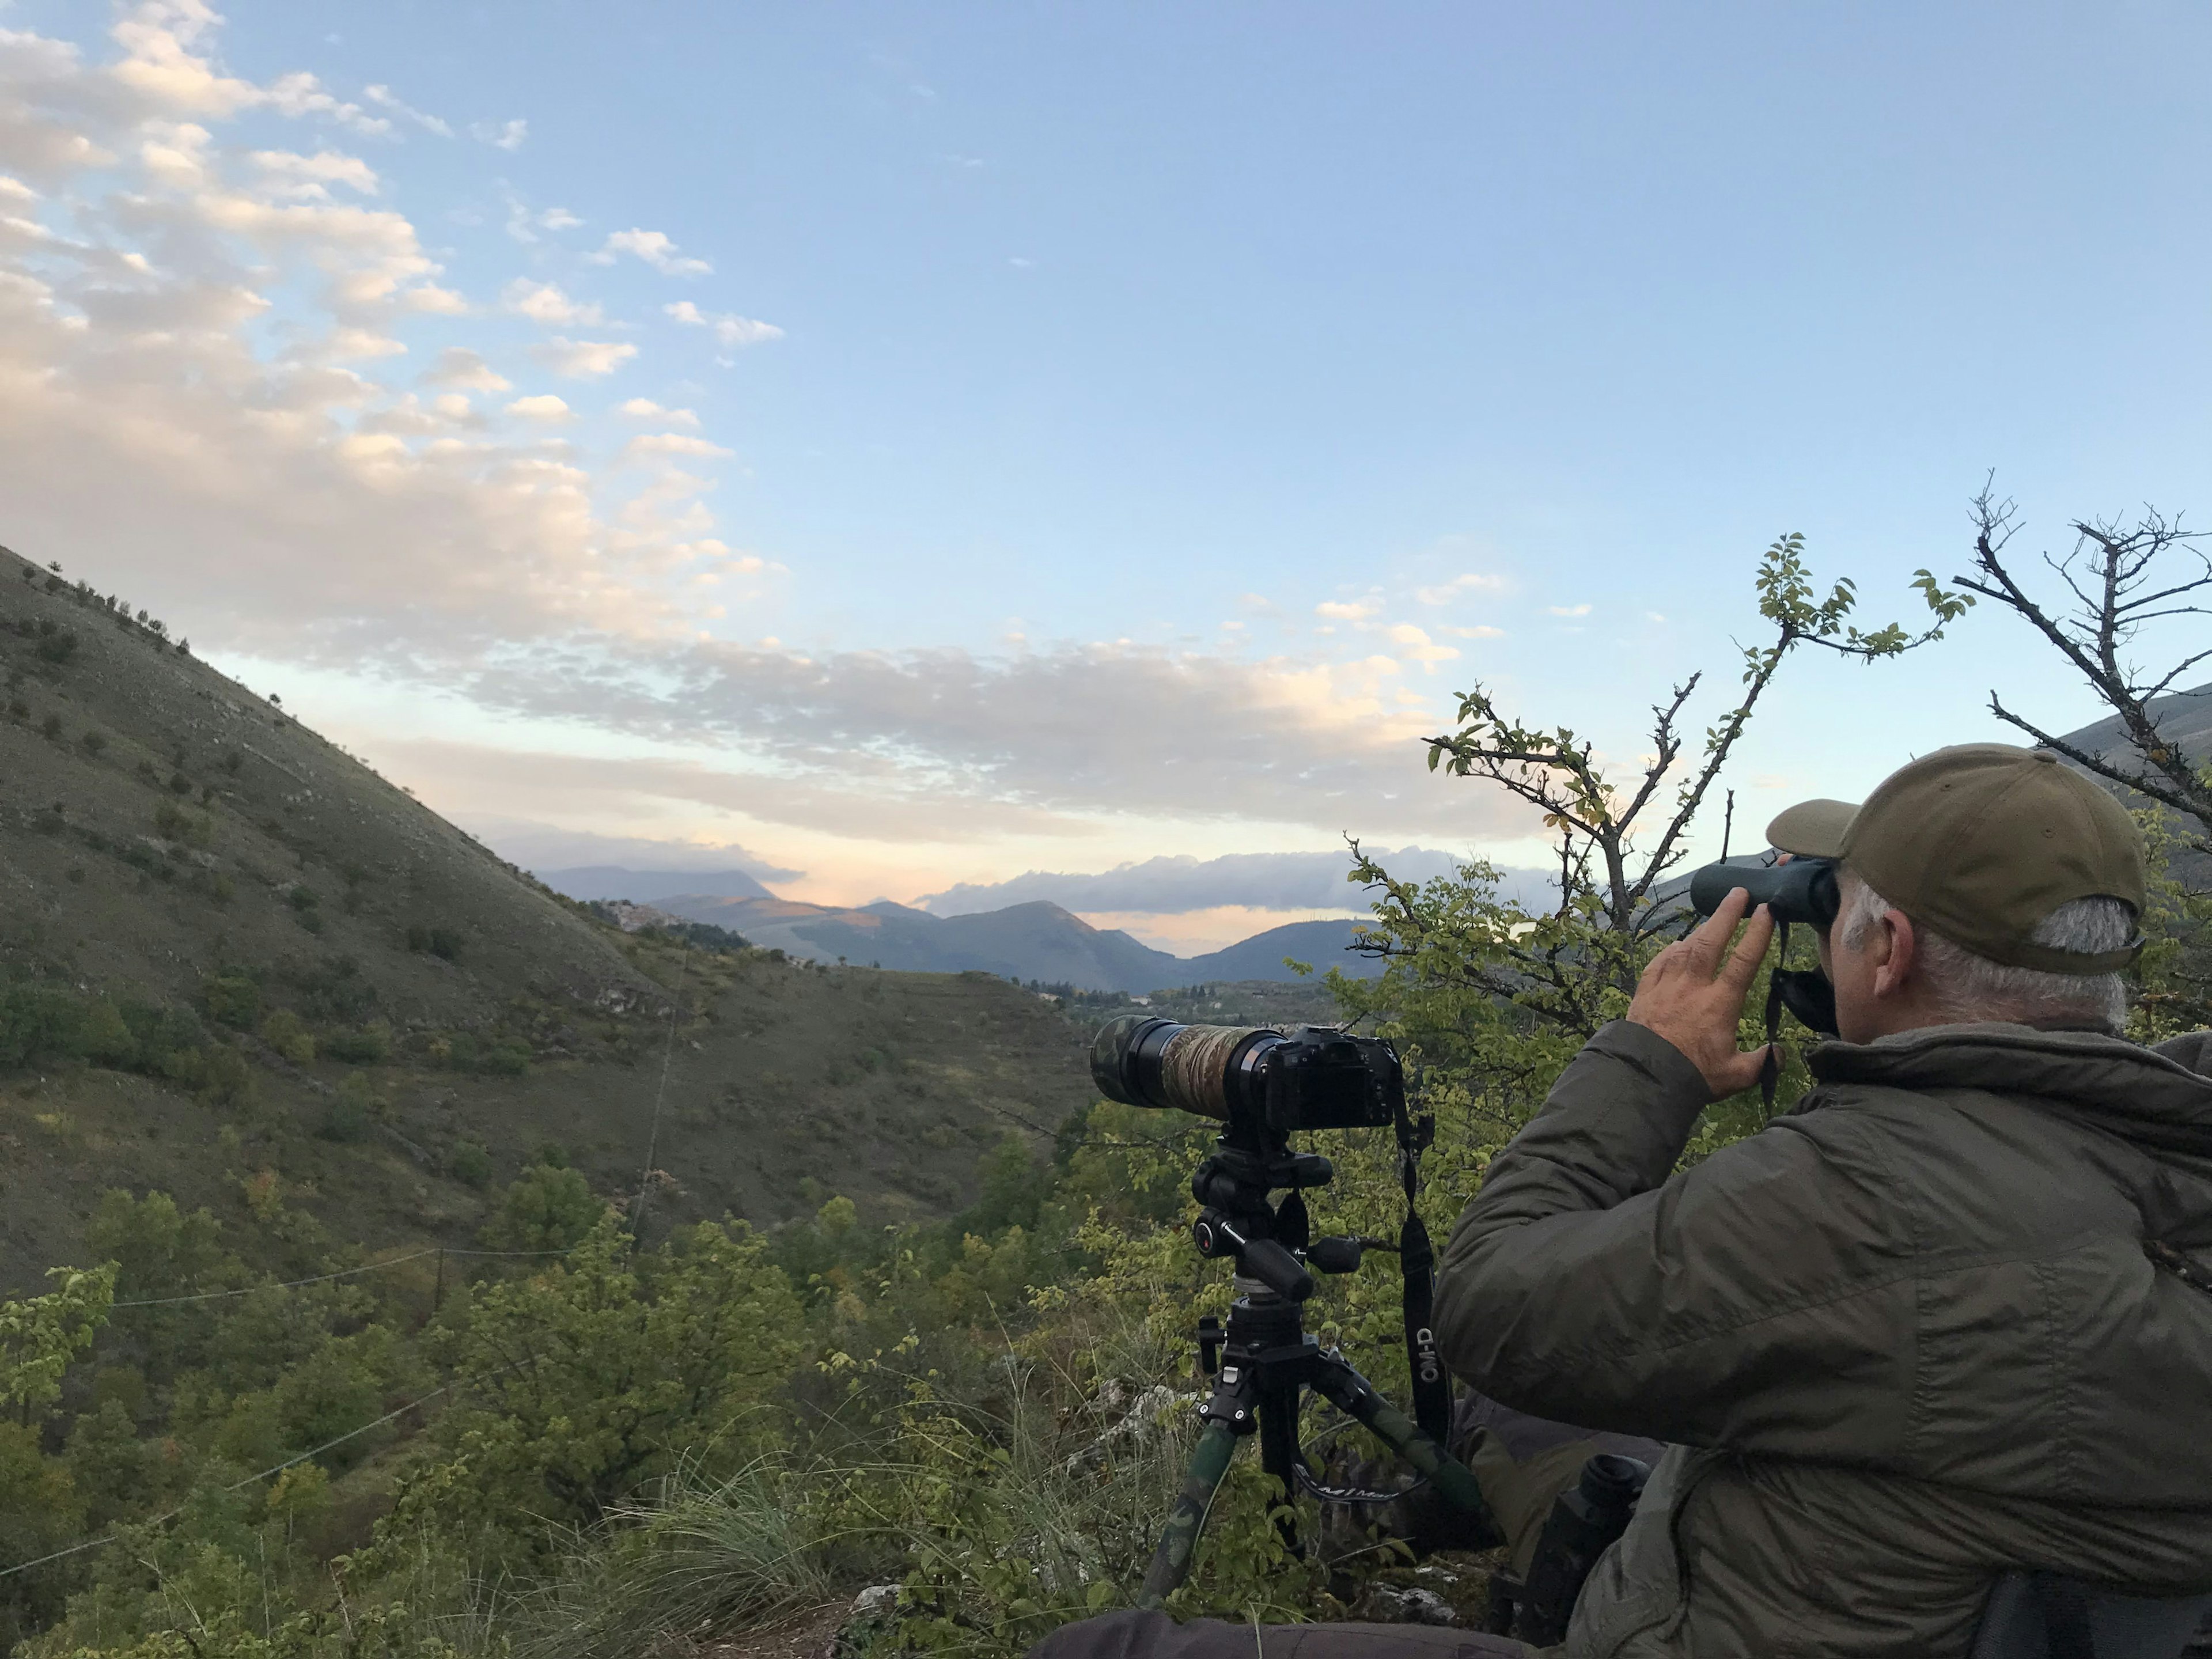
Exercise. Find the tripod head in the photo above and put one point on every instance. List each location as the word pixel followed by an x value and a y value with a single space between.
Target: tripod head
pixel 1236 1216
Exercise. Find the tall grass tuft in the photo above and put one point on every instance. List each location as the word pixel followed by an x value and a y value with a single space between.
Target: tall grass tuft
pixel 697 1554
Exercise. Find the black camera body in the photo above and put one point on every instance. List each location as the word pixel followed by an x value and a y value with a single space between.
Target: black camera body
pixel 1310 1077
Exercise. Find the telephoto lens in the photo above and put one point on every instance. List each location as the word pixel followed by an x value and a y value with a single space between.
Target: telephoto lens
pixel 1801 890
pixel 1311 1077
pixel 1142 1060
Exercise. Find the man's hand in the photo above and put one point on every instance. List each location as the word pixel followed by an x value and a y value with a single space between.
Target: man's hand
pixel 1692 995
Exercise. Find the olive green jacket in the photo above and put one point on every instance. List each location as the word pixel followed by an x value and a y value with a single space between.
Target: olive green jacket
pixel 1904 1338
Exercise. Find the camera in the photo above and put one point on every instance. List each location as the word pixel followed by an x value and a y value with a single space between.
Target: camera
pixel 1802 890
pixel 1310 1077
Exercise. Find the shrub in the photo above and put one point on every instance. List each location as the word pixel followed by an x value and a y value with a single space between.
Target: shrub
pixel 470 1164
pixel 156 1032
pixel 177 824
pixel 216 1073
pixel 232 999
pixel 509 1057
pixel 179 784
pixel 545 1209
pixel 643 1354
pixel 38 1023
pixel 441 942
pixel 232 761
pixel 51 725
pixel 364 1046
pixel 213 885
pixel 347 1118
pixel 94 742
pixel 285 1032
pixel 59 647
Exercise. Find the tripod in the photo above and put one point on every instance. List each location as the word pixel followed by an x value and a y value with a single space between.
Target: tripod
pixel 1264 1361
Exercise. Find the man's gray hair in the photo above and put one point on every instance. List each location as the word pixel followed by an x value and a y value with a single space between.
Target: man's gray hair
pixel 1973 987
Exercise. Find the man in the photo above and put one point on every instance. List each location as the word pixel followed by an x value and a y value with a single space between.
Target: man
pixel 1938 1322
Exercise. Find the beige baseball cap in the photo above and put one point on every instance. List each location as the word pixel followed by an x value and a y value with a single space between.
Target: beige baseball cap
pixel 1982 842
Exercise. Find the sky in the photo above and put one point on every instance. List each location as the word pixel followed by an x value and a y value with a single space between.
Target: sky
pixel 961 454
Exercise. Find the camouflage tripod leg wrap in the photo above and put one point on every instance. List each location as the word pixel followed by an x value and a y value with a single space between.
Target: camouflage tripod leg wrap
pixel 1346 1389
pixel 1179 1539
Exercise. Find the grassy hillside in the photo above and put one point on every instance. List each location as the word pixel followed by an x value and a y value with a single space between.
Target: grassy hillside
pixel 268 958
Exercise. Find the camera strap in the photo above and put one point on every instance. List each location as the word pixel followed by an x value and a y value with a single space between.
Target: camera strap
pixel 1417 1267
pixel 1769 1069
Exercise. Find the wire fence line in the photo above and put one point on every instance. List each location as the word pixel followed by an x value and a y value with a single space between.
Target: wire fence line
pixel 321 1278
pixel 110 1537
pixel 335 1441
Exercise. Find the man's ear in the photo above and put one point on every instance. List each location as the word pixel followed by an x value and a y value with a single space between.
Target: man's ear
pixel 1895 950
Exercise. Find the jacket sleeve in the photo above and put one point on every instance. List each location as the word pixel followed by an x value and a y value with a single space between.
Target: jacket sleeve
pixel 1762 1299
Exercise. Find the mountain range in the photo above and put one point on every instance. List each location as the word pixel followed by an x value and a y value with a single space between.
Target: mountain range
pixel 1038 941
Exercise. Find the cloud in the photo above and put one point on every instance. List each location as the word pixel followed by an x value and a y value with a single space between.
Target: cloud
pixel 1418 647
pixel 384 98
pixel 1259 881
pixel 410 417
pixel 536 845
pixel 1347 609
pixel 655 249
pixel 644 408
pixel 946 745
pixel 545 408
pixel 544 302
pixel 165 70
pixel 302 505
pixel 1477 633
pixel 508 136
pixel 673 443
pixel 729 328
pixel 222 324
pixel 583 360
pixel 430 299
pixel 346 343
pixel 309 177
pixel 1568 609
pixel 465 371
pixel 1458 587
pixel 559 218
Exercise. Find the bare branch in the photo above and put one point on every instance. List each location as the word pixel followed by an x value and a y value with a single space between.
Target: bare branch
pixel 2108 572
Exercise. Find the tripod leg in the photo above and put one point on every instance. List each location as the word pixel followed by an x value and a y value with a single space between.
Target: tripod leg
pixel 1347 1389
pixel 1179 1538
pixel 1279 1454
